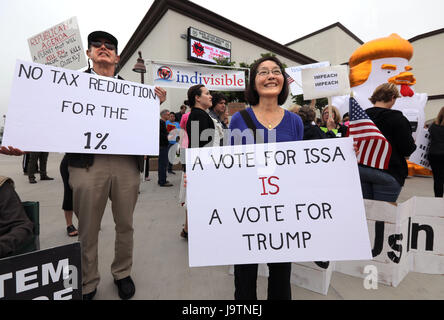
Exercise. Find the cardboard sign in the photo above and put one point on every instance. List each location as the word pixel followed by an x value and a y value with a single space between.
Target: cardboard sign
pixel 421 154
pixel 325 82
pixel 175 76
pixel 51 274
pixel 295 74
pixel 57 110
pixel 59 46
pixel 281 202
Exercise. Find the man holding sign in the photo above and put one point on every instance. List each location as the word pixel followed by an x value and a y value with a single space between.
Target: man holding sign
pixel 96 177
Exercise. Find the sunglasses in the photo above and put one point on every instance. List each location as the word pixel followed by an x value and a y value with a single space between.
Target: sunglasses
pixel 98 44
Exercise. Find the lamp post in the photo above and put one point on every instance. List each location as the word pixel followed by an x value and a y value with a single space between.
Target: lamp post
pixel 139 67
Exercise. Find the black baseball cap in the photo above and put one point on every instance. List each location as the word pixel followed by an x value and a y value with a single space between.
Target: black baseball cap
pixel 102 35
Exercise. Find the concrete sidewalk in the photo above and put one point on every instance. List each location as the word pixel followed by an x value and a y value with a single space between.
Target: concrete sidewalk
pixel 160 269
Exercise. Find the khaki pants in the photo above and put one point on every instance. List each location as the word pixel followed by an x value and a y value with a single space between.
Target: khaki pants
pixel 115 177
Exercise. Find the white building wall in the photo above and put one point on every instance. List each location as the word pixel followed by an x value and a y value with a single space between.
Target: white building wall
pixel 164 43
pixel 428 68
pixel 332 45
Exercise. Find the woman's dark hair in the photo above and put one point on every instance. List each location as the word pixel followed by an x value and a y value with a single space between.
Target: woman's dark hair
pixel 385 93
pixel 307 114
pixel 217 97
pixel 193 92
pixel 440 117
pixel 251 95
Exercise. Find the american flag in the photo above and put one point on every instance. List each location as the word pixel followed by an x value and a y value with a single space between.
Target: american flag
pixel 289 79
pixel 374 149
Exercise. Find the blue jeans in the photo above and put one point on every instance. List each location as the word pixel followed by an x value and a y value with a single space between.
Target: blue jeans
pixel 378 185
pixel 162 165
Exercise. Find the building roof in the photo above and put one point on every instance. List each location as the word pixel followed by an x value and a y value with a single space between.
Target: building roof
pixel 192 10
pixel 427 34
pixel 337 24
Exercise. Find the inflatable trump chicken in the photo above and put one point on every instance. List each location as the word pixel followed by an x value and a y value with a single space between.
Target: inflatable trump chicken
pixel 385 60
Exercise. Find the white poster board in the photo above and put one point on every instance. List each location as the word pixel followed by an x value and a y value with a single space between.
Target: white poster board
pixel 421 154
pixel 296 75
pixel 58 110
pixel 59 46
pixel 178 76
pixel 274 206
pixel 325 82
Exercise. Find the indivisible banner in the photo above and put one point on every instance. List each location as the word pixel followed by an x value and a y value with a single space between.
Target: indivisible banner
pixel 59 46
pixel 58 110
pixel 273 208
pixel 325 82
pixel 176 76
pixel 421 154
pixel 51 274
pixel 295 74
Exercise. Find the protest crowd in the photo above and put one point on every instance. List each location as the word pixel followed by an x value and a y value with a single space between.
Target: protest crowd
pixel 89 180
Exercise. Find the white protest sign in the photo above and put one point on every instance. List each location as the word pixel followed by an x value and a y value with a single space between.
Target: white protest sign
pixel 420 156
pixel 325 82
pixel 59 46
pixel 175 76
pixel 58 110
pixel 282 202
pixel 295 74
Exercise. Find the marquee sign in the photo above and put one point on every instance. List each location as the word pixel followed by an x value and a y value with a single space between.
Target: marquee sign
pixel 204 47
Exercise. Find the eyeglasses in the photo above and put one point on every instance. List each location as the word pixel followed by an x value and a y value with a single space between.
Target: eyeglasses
pixel 264 72
pixel 98 44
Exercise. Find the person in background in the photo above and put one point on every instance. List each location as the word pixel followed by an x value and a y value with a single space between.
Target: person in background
pixel 173 128
pixel 183 110
pixel 340 130
pixel 385 185
pixel 436 153
pixel 312 131
pixel 42 157
pixel 345 119
pixel 164 144
pixel 95 178
pixel 266 92
pixel 15 227
pixel 217 112
pixel 182 191
pixel 294 108
pixel 67 205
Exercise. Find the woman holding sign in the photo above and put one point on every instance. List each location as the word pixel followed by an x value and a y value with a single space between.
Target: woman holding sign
pixel 266 92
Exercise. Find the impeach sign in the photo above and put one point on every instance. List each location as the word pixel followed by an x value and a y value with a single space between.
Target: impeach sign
pixel 58 110
pixel 325 82
pixel 280 202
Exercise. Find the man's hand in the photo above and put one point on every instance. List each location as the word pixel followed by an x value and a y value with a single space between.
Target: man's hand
pixel 161 93
pixel 11 151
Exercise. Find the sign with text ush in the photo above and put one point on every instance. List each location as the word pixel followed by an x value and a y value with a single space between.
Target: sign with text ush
pixel 204 47
pixel 281 202
pixel 58 110
pixel 59 46
pixel 50 274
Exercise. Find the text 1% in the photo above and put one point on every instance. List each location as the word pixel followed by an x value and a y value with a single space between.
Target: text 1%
pixel 99 136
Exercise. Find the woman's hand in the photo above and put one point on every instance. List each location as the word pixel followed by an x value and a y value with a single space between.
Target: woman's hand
pixel 331 124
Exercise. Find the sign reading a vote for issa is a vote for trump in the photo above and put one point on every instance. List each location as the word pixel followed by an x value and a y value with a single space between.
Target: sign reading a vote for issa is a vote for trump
pixel 58 110
pixel 274 206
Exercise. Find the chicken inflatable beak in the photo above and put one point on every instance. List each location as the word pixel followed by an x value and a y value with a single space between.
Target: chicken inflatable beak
pixel 405 80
